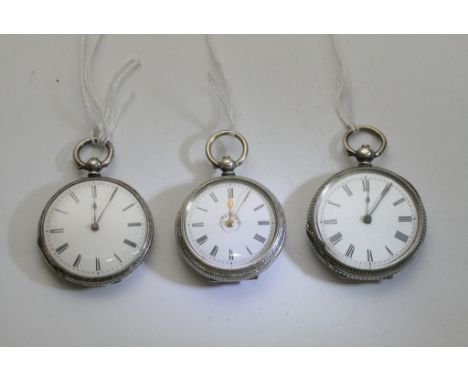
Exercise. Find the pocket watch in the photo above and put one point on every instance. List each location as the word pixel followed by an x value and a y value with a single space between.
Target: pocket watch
pixel 366 223
pixel 230 228
pixel 96 230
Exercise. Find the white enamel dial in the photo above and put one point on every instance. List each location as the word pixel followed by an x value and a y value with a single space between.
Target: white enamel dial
pixel 230 224
pixel 367 220
pixel 95 228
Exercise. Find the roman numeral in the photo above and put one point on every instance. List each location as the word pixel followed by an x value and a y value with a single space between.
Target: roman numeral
pixel 405 219
pixel 130 243
pixel 230 193
pixel 248 250
pixel 259 207
pixel 264 222
pixel 370 259
pixel 334 204
pixel 202 240
pixel 350 251
pixel 348 190
pixel 365 185
pixel 336 238
pixel 77 261
pixel 98 264
pixel 231 256
pixel 330 221
pixel 214 251
pixel 128 207
pixel 401 236
pixel 198 224
pixel 259 238
pixel 93 191
pixel 134 224
pixel 62 248
pixel 213 196
pixel 202 209
pixel 399 201
pixel 74 197
pixel 117 257
pixel 389 251
pixel 61 211
pixel 56 230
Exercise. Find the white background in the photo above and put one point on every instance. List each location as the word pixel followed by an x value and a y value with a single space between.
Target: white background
pixel 415 89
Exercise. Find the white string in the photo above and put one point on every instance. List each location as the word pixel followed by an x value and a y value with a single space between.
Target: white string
pixel 220 84
pixel 103 117
pixel 343 103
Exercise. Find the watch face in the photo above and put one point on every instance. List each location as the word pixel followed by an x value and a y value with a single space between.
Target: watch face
pixel 96 229
pixel 231 223
pixel 368 219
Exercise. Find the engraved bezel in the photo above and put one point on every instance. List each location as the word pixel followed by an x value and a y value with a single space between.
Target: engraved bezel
pixel 97 281
pixel 342 269
pixel 251 271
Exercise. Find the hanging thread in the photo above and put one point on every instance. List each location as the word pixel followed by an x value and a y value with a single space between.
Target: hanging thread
pixel 220 84
pixel 343 102
pixel 104 117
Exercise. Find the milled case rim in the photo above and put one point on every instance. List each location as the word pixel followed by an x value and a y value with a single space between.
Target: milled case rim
pixel 226 275
pixel 345 270
pixel 98 281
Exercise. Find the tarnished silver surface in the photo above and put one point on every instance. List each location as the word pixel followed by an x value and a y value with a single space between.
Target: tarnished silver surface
pixel 93 165
pixel 94 282
pixel 342 269
pixel 225 275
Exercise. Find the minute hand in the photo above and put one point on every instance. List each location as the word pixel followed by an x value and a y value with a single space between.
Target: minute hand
pixel 111 197
pixel 379 199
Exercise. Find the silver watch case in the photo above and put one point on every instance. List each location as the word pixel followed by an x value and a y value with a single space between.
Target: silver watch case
pixel 95 281
pixel 226 275
pixel 344 270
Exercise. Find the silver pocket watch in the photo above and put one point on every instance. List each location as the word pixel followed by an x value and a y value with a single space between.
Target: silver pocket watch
pixel 95 231
pixel 366 223
pixel 230 228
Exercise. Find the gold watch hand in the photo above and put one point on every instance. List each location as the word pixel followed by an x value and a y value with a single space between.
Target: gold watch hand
pixel 242 203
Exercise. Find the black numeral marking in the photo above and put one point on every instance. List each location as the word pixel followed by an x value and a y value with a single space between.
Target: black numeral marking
pixel 213 196
pixel 401 236
pixel 74 197
pixel 389 251
pixel 134 224
pixel 93 191
pixel 259 238
pixel 350 251
pixel 198 225
pixel 348 190
pixel 259 207
pixel 336 238
pixel 128 207
pixel 130 243
pixel 365 185
pixel 264 222
pixel 405 219
pixel 248 250
pixel 334 204
pixel 77 261
pixel 214 251
pixel 62 248
pixel 61 211
pixel 399 201
pixel 202 209
pixel 56 230
pixel 330 221
pixel 117 257
pixel 231 255
pixel 98 264
pixel 370 259
pixel 202 240
pixel 230 193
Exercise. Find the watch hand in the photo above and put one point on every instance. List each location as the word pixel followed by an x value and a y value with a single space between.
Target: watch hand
pixel 94 225
pixel 230 221
pixel 379 199
pixel 111 197
pixel 242 203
